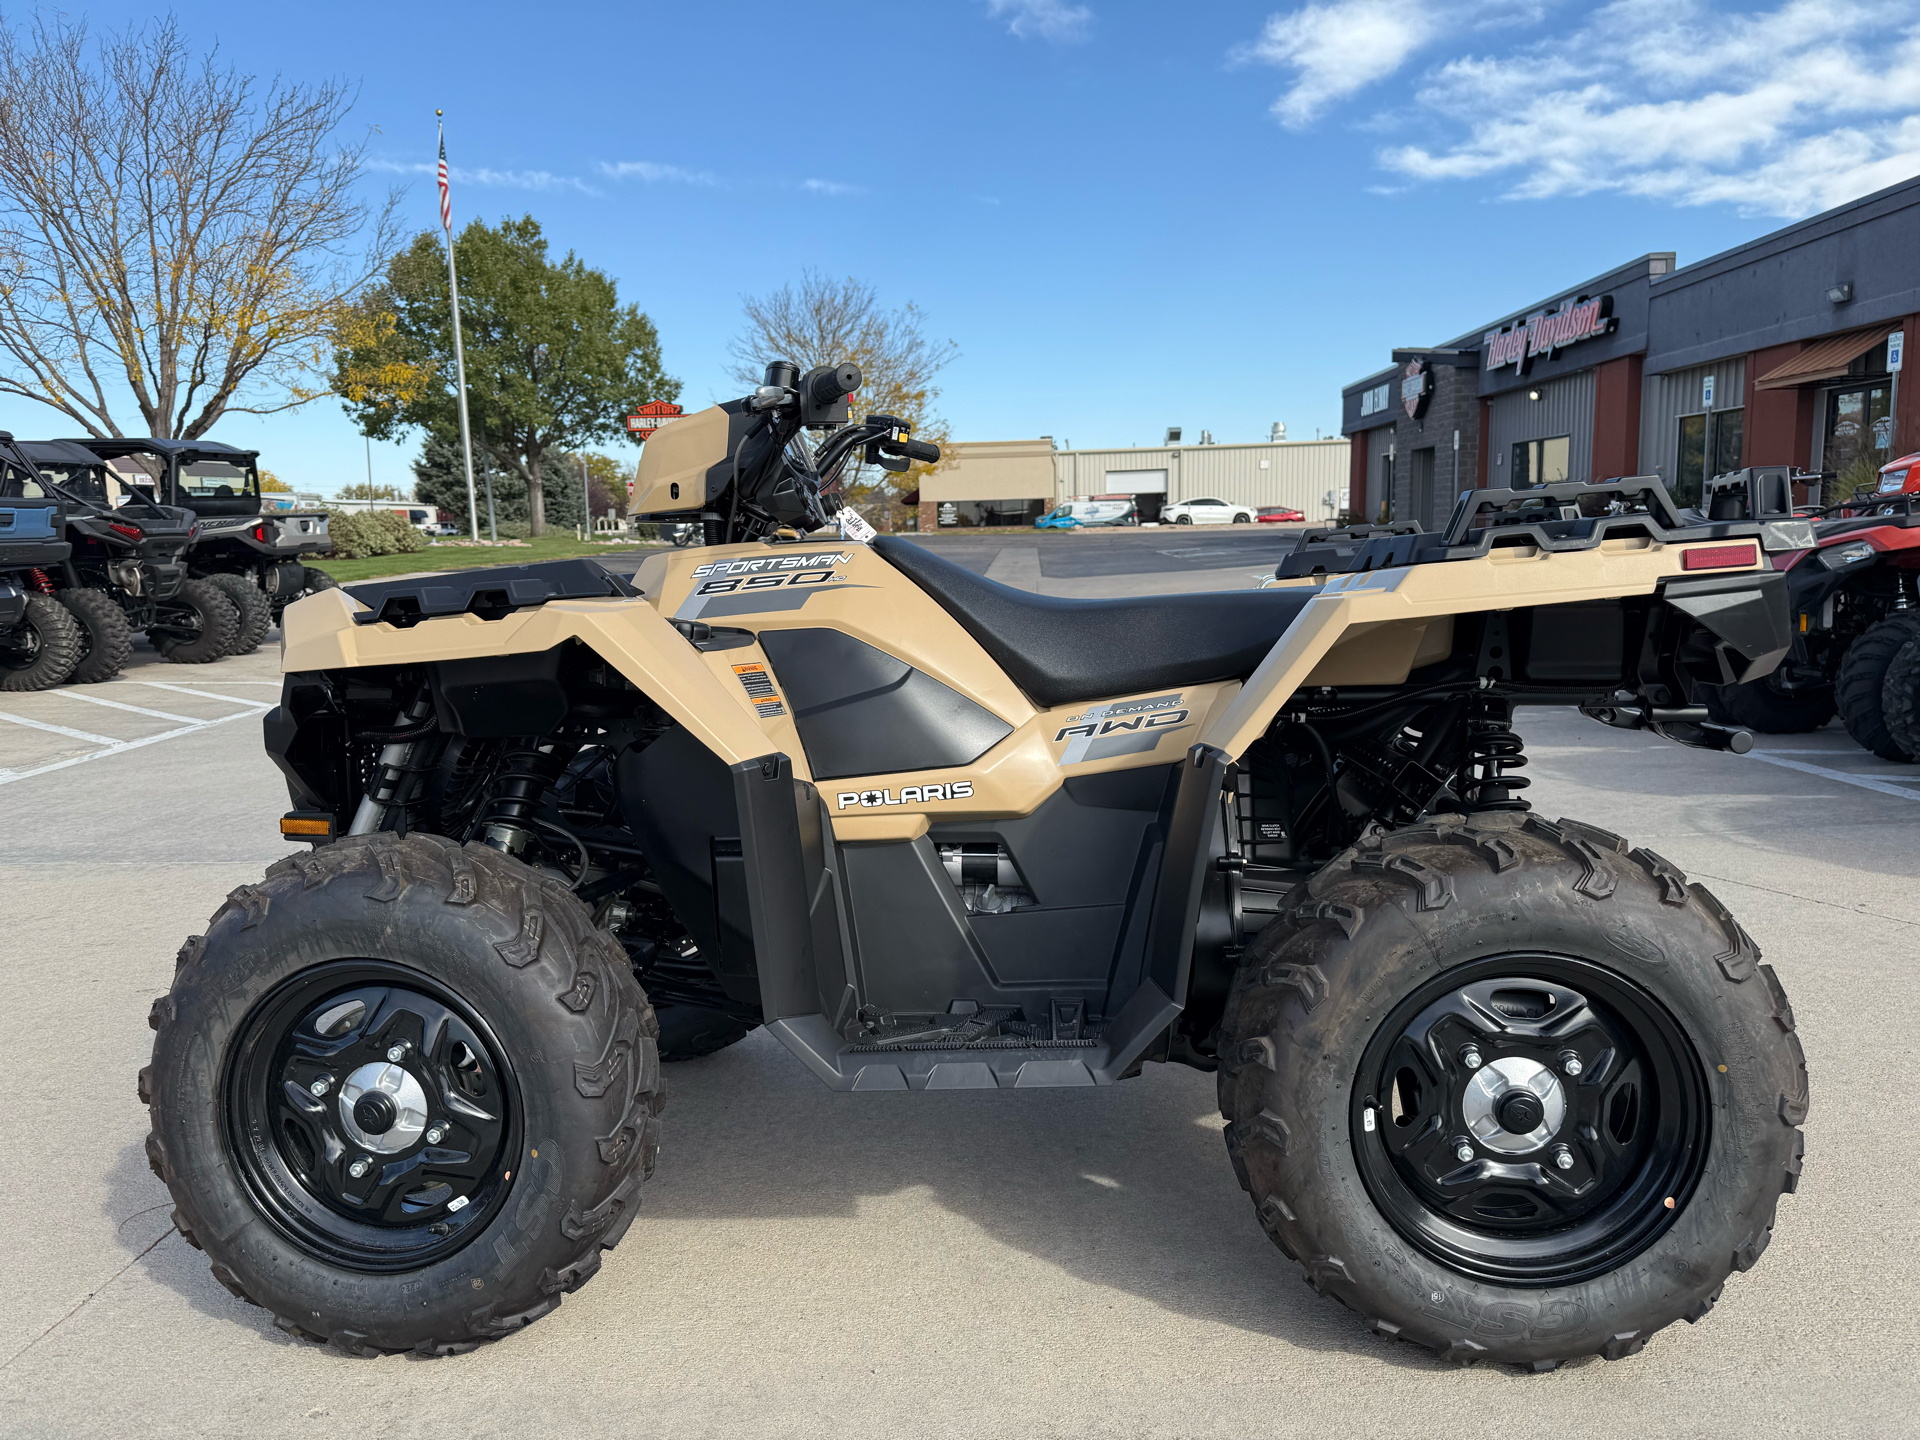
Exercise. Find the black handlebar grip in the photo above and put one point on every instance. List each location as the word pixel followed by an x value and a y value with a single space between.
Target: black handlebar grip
pixel 843 379
pixel 920 450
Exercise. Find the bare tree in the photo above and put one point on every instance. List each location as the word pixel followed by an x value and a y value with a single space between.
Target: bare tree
pixel 827 321
pixel 170 227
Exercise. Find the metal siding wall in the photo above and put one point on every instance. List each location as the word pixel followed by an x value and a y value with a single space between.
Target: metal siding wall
pixel 1379 441
pixel 1566 407
pixel 1300 473
pixel 1667 397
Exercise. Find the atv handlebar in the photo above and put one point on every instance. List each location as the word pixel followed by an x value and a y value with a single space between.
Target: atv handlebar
pixel 843 379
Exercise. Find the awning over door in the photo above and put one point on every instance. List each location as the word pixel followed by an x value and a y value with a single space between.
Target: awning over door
pixel 1823 360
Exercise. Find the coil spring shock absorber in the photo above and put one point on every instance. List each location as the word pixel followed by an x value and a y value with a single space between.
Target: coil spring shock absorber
pixel 40 581
pixel 1494 753
pixel 524 775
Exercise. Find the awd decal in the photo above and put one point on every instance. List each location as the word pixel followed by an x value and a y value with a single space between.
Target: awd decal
pixel 760 690
pixel 1119 728
pixel 909 795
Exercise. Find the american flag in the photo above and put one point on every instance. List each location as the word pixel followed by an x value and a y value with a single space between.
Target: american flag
pixel 446 199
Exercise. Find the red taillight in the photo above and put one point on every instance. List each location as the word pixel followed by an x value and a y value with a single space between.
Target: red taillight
pixel 260 534
pixel 1717 557
pixel 132 532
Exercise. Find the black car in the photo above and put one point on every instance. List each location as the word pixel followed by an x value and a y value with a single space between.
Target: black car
pixel 128 569
pixel 257 558
pixel 39 642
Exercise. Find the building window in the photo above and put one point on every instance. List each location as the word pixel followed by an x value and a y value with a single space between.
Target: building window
pixel 1538 462
pixel 1709 445
pixel 1374 401
pixel 1857 437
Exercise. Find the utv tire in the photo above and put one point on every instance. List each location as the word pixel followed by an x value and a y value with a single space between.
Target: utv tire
pixel 1760 705
pixel 197 626
pixel 1868 672
pixel 406 941
pixel 689 1032
pixel 106 640
pixel 256 611
pixel 43 651
pixel 1392 957
pixel 1899 698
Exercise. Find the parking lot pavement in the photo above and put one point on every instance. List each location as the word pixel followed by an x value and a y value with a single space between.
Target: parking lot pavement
pixel 959 1263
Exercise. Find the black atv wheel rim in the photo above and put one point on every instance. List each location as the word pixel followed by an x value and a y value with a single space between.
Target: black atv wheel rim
pixel 1530 1119
pixel 372 1066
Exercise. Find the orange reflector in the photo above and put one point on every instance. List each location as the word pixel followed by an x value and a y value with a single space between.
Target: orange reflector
pixel 1717 557
pixel 1804 622
pixel 298 824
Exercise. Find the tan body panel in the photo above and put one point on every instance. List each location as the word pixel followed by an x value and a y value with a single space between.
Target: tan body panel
pixel 674 461
pixel 1360 629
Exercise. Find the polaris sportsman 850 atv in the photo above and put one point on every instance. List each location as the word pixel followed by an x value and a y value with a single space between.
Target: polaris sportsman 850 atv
pixel 1508 1087
pixel 256 559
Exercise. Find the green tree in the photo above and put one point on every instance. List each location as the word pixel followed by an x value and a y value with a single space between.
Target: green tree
pixel 554 360
pixel 364 490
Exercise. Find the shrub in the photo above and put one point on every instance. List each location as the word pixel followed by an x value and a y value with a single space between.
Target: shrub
pixel 357 534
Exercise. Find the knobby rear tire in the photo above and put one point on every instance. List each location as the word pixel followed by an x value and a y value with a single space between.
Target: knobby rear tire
pixel 1870 674
pixel 215 620
pixel 106 638
pixel 256 611
pixel 524 955
pixel 1392 915
pixel 57 646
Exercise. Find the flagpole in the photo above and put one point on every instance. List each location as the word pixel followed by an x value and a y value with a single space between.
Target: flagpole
pixel 460 359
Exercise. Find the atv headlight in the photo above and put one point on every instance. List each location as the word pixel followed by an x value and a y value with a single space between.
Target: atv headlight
pixel 1841 557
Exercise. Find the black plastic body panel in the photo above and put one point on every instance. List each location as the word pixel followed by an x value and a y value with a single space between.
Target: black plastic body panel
pixel 679 801
pixel 517 694
pixel 490 593
pixel 861 711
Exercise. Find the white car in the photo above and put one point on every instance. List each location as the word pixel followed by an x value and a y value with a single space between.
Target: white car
pixel 1206 511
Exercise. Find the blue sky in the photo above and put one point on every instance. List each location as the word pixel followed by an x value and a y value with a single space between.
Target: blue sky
pixel 1125 215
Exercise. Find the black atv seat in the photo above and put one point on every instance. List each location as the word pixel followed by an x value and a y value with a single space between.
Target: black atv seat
pixel 1060 651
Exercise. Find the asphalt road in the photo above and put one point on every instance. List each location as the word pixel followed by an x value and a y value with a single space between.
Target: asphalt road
pixel 959 1263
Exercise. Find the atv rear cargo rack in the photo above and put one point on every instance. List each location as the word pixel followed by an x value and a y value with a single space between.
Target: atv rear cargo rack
pixel 490 593
pixel 1550 517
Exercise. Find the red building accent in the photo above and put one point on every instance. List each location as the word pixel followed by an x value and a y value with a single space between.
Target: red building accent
pixel 1617 418
pixel 1779 427
pixel 1357 474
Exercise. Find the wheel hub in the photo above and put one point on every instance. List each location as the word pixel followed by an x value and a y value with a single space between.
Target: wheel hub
pixel 1513 1105
pixel 383 1108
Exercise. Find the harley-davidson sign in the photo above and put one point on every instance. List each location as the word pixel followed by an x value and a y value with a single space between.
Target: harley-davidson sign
pixel 1417 386
pixel 1547 331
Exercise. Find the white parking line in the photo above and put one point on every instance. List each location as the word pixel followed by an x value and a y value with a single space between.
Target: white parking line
pixel 122 705
pixel 1868 783
pixel 204 694
pixel 116 747
pixel 21 720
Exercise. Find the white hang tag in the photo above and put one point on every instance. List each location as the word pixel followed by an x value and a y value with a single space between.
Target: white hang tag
pixel 854 526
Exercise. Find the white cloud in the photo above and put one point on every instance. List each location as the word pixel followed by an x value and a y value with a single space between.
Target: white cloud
pixel 1340 47
pixel 653 172
pixel 831 187
pixel 486 176
pixel 1049 19
pixel 1781 112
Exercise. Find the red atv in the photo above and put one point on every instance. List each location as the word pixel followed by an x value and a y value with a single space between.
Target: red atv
pixel 1852 598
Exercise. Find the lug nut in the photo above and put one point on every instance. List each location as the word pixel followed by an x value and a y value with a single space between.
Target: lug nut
pixel 1564 1158
pixel 1464 1152
pixel 322 1086
pixel 435 1135
pixel 398 1053
pixel 357 1169
pixel 1571 1063
pixel 1471 1057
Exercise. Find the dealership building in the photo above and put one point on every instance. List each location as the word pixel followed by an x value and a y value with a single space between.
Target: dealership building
pixel 1015 482
pixel 1788 350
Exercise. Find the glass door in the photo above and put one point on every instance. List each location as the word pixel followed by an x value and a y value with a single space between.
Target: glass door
pixel 1858 436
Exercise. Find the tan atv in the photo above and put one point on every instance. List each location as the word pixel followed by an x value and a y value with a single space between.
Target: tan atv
pixel 1507 1087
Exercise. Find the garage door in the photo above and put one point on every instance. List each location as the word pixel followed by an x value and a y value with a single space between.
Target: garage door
pixel 1135 482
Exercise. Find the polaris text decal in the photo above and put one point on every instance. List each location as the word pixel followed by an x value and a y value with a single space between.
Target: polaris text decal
pixel 909 795
pixel 1119 728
